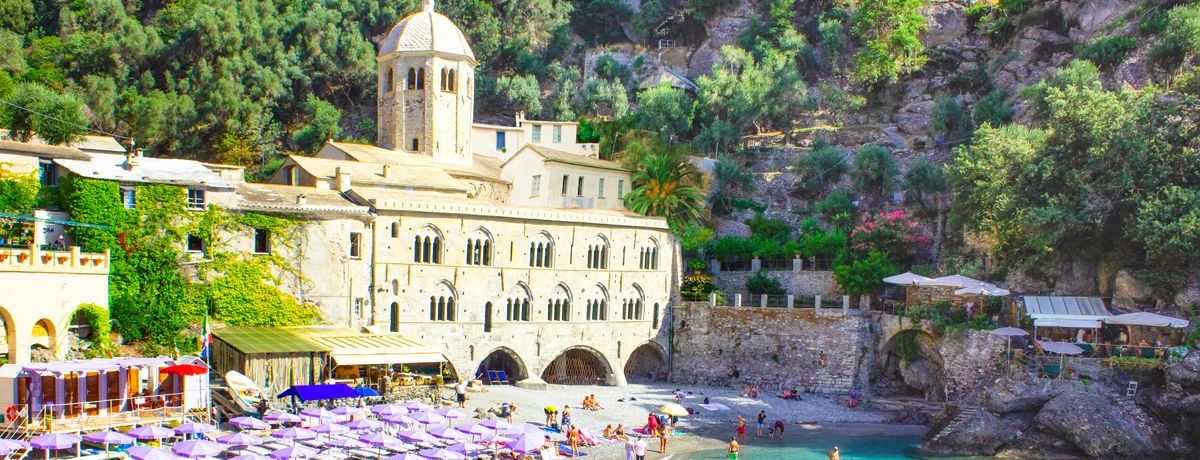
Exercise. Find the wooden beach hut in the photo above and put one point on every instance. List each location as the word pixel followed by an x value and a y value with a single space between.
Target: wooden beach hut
pixel 275 358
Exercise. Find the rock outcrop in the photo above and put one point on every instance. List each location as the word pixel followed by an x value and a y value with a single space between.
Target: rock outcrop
pixel 1021 396
pixel 981 434
pixel 1095 425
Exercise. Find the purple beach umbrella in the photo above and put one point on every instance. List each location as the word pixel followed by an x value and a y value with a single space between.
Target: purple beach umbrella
pixel 5 450
pixel 151 432
pixel 428 418
pixel 14 444
pixel 241 439
pixel 466 448
pixel 476 429
pixel 399 420
pixel 106 437
pixel 450 413
pixel 416 406
pixel 194 428
pixel 330 428
pixel 294 434
pixel 384 410
pixel 278 417
pixel 363 424
pixel 528 443
pixel 380 440
pixel 346 443
pixel 347 410
pixel 495 424
pixel 197 448
pixel 55 441
pixel 294 452
pixel 249 423
pixel 441 454
pixel 149 453
pixel 249 457
pixel 498 439
pixel 447 433
pixel 405 456
pixel 319 413
pixel 416 436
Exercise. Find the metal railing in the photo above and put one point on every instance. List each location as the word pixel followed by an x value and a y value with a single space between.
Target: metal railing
pixel 105 413
pixel 777 265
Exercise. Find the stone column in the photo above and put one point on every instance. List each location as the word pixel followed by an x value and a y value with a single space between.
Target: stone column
pixel 762 300
pixel 755 265
pixel 797 264
pixel 737 301
pixel 791 301
pixel 712 299
pixel 817 299
pixel 714 266
pixel 845 302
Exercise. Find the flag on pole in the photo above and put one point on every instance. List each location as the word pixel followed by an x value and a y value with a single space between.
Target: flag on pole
pixel 205 339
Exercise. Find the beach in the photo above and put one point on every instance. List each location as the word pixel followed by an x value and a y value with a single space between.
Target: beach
pixel 705 430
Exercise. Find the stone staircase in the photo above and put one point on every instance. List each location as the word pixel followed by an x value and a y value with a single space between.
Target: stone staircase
pixel 966 414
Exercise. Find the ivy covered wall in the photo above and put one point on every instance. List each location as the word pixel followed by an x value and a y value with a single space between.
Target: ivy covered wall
pixel 153 300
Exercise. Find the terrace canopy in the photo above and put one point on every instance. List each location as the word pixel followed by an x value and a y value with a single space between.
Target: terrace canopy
pixel 364 349
pixel 1071 312
pixel 1143 318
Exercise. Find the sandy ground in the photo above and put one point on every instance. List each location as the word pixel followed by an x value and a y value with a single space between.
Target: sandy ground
pixel 704 430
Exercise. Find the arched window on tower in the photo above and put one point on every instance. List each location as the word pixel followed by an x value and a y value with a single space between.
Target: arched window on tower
pixel 597 252
pixel 479 248
pixel 391 78
pixel 541 251
pixel 633 302
pixel 597 304
pixel 421 78
pixel 411 83
pixel 442 303
pixel 648 254
pixel 444 81
pixel 416 145
pixel 558 306
pixel 452 82
pixel 516 304
pixel 427 246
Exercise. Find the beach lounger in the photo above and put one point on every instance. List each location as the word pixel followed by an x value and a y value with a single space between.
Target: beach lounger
pixel 502 377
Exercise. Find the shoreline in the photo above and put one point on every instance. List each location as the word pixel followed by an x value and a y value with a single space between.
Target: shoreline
pixel 702 431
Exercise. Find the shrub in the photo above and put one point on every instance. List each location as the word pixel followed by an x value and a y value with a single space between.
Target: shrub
pixel 1180 38
pixel 764 228
pixel 875 170
pixel 823 244
pixel 823 165
pixel 948 117
pixel 1108 51
pixel 836 202
pixel 763 284
pixel 864 275
pixel 892 233
pixel 697 286
pixel 993 108
pixel 925 179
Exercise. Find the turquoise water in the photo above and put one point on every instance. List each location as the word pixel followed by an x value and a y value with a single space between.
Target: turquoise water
pixel 812 445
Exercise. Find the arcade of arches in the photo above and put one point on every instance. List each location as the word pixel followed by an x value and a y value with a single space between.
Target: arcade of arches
pixel 646 363
pixel 577 366
pixel 502 359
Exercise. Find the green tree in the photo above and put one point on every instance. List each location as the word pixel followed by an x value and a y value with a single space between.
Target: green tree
pixel 949 118
pixel 1167 224
pixel 993 109
pixel 665 111
pixel 322 125
pixel 924 180
pixel 521 92
pixel 1180 40
pixel 892 31
pixel 1078 73
pixel 761 284
pixel 743 92
pixel 1107 51
pixel 821 167
pixel 864 275
pixel 663 186
pixel 874 170
pixel 18 190
pixel 11 61
pixel 32 109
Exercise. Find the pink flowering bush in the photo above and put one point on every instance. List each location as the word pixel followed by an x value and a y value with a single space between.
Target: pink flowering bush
pixel 892 233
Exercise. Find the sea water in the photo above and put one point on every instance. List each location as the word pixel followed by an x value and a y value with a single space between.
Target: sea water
pixel 812 445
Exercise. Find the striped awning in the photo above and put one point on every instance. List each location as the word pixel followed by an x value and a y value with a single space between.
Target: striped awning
pixel 1056 307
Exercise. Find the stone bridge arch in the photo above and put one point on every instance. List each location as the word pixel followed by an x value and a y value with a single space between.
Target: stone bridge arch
pixel 580 365
pixel 910 360
pixel 647 363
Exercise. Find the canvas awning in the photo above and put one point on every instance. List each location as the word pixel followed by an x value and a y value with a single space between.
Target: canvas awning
pixel 905 279
pixel 262 340
pixel 1061 348
pixel 987 289
pixel 1143 318
pixel 954 281
pixel 1046 307
pixel 360 349
pixel 1071 323
pixel 320 392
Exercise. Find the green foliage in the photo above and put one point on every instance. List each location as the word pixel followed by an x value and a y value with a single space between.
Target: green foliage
pixel 11 62
pixel 836 202
pixel 821 167
pixel 924 180
pixel 893 233
pixel 665 111
pixel 745 90
pixel 593 20
pixel 245 287
pixel 760 284
pixel 1134 361
pixel 18 190
pixel 101 340
pixel 949 118
pixel 693 236
pixel 1078 73
pixel 520 92
pixel 1167 224
pixel 697 286
pixel 1107 51
pixel 891 30
pixel 605 98
pixel 1153 21
pixel 864 275
pixel 762 227
pixel 56 118
pixel 730 180
pixel 833 41
pixel 823 244
pixel 1180 40
pixel 322 125
pixel 664 186
pixel 993 109
pixel 908 348
pixel 874 170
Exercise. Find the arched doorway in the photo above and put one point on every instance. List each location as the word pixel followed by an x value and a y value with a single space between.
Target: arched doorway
pixel 502 359
pixel 910 365
pixel 395 323
pixel 45 341
pixel 577 366
pixel 646 364
pixel 10 336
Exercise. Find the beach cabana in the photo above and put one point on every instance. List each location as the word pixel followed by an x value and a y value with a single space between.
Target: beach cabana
pixel 1068 312
pixel 274 358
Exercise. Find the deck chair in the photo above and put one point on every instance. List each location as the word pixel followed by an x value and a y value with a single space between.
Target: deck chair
pixel 491 377
pixel 501 377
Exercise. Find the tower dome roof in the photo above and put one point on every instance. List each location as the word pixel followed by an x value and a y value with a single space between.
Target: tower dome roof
pixel 427 31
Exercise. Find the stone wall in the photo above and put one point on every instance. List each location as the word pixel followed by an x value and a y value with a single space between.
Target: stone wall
pixel 796 282
pixel 970 358
pixel 816 350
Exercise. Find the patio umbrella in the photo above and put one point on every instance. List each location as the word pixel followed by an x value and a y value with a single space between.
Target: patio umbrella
pixel 363 424
pixel 499 438
pixel 954 281
pixel 149 453
pixel 466 448
pixel 5 450
pixel 1145 318
pixel 249 423
pixel 673 410
pixel 380 440
pixel 346 443
pixel 107 438
pixel 474 428
pixel 1062 349
pixel 241 439
pixel 450 413
pixel 249 457
pixel 347 410
pixel 905 279
pixel 383 410
pixel 416 406
pixel 1008 333
pixel 319 413
pixel 366 392
pixel 294 434
pixel 197 448
pixel 447 433
pixel 986 289
pixel 442 454
pixel 151 433
pixel 55 441
pixel 194 428
pixel 399 420
pixel 279 417
pixel 495 424
pixel 14 444
pixel 416 436
pixel 428 418
pixel 294 452
pixel 405 456
pixel 528 444
pixel 522 429
pixel 330 428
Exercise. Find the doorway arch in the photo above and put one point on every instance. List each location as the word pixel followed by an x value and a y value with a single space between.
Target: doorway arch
pixel 647 363
pixel 503 359
pixel 45 336
pixel 578 366
pixel 10 335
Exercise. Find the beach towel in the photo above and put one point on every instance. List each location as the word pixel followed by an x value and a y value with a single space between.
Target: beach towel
pixel 715 406
pixel 586 436
pixel 565 449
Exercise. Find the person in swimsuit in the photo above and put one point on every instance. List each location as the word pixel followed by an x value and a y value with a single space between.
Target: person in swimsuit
pixel 834 454
pixel 741 429
pixel 734 449
pixel 777 429
pixel 761 420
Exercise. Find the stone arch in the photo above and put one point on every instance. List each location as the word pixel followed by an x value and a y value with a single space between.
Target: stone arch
pixel 911 363
pixel 578 365
pixel 633 303
pixel 558 305
pixel 10 335
pixel 518 303
pixel 443 302
pixel 597 251
pixel 44 328
pixel 503 359
pixel 428 244
pixel 596 303
pixel 541 250
pixel 648 254
pixel 647 363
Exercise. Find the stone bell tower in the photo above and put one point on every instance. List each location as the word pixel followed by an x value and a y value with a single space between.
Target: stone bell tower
pixel 426 88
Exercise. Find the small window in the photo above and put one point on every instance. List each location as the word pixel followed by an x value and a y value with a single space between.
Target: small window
pixel 557 134
pixel 387 84
pixel 421 78
pixel 416 144
pixel 46 167
pixel 412 79
pixel 451 85
pixel 196 198
pixel 600 188
pixel 500 140
pixel 195 244
pixel 129 197
pixel 355 245
pixel 566 182
pixel 262 241
pixel 579 189
pixel 535 185
pixel 537 133
pixel 358 307
pixel 620 188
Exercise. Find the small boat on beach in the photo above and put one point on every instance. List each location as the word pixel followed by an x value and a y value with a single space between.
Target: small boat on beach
pixel 245 392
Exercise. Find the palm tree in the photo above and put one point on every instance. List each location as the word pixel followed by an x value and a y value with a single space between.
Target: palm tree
pixel 662 186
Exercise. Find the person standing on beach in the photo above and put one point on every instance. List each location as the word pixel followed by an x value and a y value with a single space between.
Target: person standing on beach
pixel 662 439
pixel 761 419
pixel 573 438
pixel 741 429
pixel 551 417
pixel 460 392
pixel 629 449
pixel 734 449
pixel 639 449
